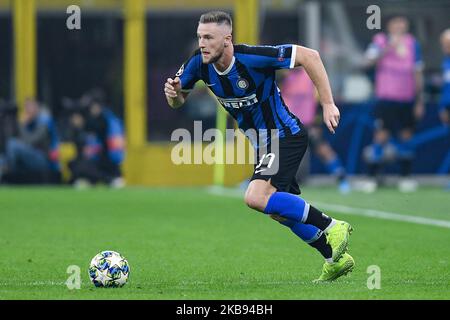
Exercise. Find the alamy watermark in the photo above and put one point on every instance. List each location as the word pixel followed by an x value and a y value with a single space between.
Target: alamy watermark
pixel 374 280
pixel 73 22
pixel 74 280
pixel 374 20
pixel 228 149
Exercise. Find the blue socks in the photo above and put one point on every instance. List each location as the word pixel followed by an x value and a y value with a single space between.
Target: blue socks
pixel 287 206
pixel 312 236
pixel 304 220
pixel 306 232
pixel 291 207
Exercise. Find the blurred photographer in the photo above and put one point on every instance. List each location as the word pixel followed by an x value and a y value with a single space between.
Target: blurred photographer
pixel 32 157
pixel 99 141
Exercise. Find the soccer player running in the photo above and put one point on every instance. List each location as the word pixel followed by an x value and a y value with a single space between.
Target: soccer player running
pixel 243 79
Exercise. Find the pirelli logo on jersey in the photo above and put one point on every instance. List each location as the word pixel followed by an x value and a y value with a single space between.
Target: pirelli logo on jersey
pixel 239 102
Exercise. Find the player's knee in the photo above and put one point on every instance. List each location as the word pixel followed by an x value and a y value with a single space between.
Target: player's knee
pixel 258 194
pixel 254 201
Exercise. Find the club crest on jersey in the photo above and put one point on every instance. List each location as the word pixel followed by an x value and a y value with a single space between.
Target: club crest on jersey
pixel 242 83
pixel 180 72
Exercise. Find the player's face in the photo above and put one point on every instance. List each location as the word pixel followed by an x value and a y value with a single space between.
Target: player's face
pixel 211 40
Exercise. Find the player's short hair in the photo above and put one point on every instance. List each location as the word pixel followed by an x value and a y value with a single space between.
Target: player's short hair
pixel 218 17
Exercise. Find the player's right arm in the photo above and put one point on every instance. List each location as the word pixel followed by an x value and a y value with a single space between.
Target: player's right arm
pixel 178 88
pixel 172 89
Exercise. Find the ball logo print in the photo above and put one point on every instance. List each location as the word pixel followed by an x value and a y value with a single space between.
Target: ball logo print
pixel 109 269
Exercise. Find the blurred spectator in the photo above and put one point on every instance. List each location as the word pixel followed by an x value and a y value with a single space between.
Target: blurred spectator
pixel 399 93
pixel 444 105
pixel 33 156
pixel 299 95
pixel 78 136
pixel 99 142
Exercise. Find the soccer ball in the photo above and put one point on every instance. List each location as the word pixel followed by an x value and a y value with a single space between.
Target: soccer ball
pixel 109 269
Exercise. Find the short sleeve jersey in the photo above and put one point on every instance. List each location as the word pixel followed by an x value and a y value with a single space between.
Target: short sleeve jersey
pixel 247 88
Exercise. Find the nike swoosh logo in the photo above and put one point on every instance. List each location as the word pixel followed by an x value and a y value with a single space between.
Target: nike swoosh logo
pixel 258 171
pixel 210 85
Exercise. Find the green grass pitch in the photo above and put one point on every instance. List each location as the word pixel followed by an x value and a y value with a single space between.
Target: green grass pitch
pixel 191 244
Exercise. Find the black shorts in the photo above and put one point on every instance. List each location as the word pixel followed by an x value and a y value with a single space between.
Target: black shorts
pixel 395 116
pixel 280 163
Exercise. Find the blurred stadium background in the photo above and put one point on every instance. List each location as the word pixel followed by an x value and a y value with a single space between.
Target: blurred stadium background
pixel 128 48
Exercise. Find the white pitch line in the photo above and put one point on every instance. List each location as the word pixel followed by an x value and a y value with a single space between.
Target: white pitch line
pixel 352 210
pixel 383 215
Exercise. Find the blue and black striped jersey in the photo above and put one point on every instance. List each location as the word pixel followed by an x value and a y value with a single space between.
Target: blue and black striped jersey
pixel 247 89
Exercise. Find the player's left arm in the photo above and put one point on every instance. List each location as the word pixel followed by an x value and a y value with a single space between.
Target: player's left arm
pixel 311 61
